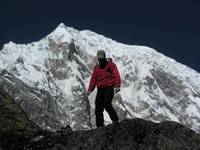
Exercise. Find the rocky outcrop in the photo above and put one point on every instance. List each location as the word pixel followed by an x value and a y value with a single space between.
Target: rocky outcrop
pixel 17 132
pixel 134 134
pixel 15 128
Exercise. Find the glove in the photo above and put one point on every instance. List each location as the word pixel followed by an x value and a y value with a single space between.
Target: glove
pixel 88 93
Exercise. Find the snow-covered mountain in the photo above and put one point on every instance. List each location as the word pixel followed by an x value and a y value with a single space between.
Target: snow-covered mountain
pixel 49 80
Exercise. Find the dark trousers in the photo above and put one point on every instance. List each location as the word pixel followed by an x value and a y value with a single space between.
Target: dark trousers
pixel 104 100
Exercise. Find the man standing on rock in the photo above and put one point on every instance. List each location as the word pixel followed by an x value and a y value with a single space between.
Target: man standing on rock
pixel 107 79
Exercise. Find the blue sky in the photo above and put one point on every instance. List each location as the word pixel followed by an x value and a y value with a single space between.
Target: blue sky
pixel 170 27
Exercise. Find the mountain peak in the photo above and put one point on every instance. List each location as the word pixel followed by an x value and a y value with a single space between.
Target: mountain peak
pixel 61 25
pixel 63 33
pixel 154 87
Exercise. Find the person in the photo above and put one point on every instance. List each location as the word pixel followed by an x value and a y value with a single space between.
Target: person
pixel 107 79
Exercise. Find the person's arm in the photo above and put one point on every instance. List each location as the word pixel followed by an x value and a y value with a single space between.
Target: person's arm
pixel 92 83
pixel 117 78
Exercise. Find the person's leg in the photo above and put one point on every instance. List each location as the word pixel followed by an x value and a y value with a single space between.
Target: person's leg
pixel 108 96
pixel 99 108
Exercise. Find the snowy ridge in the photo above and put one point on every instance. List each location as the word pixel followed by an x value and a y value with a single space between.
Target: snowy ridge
pixel 154 87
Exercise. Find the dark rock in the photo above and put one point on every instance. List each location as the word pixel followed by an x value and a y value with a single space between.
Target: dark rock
pixel 131 134
pixel 15 127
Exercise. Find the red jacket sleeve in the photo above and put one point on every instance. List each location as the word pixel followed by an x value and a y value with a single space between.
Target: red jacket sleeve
pixel 92 81
pixel 116 76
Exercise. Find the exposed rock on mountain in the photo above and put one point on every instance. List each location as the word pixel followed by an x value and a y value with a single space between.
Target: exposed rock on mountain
pixel 49 79
pixel 15 128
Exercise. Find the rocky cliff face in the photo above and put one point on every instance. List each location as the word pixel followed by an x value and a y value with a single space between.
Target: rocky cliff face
pixel 49 79
pixel 15 128
pixel 39 105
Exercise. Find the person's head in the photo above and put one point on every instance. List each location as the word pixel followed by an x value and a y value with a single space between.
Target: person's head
pixel 101 54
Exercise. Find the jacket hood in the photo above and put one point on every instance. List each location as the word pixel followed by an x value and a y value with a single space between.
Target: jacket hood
pixel 109 59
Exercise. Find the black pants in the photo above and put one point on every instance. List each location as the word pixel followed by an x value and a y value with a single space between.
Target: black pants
pixel 104 100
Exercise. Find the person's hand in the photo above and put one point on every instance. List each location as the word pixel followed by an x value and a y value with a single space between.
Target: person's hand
pixel 117 90
pixel 88 93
